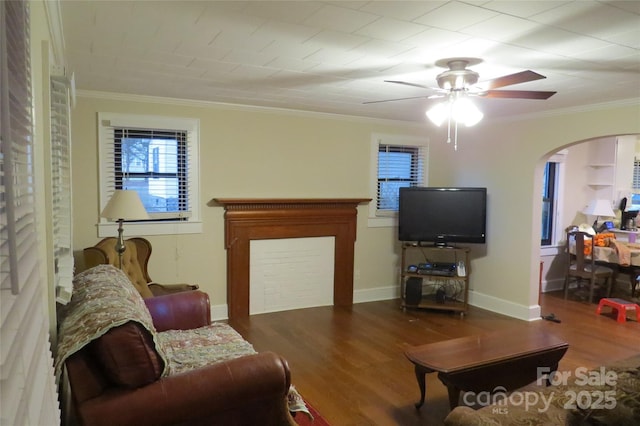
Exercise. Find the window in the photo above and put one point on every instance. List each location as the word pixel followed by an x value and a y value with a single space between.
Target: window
pixel 397 161
pixel 156 156
pixel 552 202
pixel 548 203
pixel 635 196
pixel 61 188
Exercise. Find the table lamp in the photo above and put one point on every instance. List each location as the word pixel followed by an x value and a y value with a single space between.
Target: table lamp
pixel 597 208
pixel 124 205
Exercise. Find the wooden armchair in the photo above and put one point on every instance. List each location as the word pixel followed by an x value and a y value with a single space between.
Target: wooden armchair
pixel 134 264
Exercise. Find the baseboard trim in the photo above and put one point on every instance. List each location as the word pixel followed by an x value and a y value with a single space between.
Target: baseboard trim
pixel 220 312
pixel 376 294
pixel 504 307
pixel 479 300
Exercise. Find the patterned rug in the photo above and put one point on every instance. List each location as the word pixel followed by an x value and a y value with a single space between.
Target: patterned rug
pixel 313 419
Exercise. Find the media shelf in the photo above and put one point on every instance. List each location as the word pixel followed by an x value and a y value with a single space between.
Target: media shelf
pixel 441 288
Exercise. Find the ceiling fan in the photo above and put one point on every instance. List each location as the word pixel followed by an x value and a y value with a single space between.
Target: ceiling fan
pixel 458 83
pixel 459 78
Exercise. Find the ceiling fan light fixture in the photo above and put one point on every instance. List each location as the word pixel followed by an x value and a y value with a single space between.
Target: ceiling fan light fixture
pixel 460 110
pixel 438 113
pixel 464 111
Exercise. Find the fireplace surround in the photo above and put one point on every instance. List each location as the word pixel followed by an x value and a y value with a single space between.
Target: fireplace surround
pixel 249 219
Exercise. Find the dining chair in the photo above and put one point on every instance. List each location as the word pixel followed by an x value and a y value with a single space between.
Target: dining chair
pixel 581 264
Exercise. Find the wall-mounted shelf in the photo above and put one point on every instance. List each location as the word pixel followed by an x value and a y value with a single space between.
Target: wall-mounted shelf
pixel 601 169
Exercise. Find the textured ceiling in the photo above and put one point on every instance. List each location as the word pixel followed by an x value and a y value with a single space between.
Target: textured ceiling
pixel 334 56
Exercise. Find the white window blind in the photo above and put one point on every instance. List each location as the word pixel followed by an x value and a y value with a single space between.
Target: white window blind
pixel 398 166
pixel 27 385
pixel 61 188
pixel 636 176
pixel 157 157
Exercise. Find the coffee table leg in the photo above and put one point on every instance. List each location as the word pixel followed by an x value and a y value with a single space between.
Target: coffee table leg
pixel 454 396
pixel 421 373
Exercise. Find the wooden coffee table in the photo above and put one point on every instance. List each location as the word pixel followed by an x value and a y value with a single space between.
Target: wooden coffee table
pixel 509 359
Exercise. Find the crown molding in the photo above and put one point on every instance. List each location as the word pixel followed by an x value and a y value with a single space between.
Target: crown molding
pixel 600 106
pixel 352 118
pixel 54 18
pixel 113 96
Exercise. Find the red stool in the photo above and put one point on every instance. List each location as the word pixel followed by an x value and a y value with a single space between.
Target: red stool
pixel 621 306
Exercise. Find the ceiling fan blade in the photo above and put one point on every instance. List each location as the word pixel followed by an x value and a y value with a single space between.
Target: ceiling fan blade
pixel 517 94
pixel 407 84
pixel 398 99
pixel 508 80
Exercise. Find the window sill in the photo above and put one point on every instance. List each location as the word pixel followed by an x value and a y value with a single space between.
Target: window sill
pixel 551 250
pixel 110 229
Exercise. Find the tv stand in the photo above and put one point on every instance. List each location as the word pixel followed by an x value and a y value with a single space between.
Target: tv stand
pixel 440 279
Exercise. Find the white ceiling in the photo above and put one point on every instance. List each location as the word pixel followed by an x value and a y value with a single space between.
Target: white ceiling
pixel 332 56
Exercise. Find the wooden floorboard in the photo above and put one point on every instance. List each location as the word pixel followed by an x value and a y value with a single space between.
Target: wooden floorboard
pixel 350 364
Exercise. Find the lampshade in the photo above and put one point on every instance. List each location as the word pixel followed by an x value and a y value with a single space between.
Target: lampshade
pixel 125 205
pixel 599 207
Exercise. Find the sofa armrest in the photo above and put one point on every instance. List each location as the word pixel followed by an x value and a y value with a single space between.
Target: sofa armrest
pixel 162 289
pixel 246 390
pixel 180 311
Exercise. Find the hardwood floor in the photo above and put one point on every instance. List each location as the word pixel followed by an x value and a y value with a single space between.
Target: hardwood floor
pixel 350 364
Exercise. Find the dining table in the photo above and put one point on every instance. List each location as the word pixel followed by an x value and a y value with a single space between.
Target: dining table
pixel 609 254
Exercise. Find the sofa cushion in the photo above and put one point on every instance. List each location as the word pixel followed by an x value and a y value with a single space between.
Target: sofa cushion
pixel 128 355
pixel 104 299
pixel 191 349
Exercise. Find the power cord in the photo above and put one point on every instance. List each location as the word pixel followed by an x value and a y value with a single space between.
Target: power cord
pixel 551 317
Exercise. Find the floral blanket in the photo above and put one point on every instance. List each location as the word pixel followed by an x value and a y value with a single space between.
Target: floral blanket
pixel 102 298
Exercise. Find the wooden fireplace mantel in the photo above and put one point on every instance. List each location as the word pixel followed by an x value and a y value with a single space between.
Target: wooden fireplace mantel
pixel 249 219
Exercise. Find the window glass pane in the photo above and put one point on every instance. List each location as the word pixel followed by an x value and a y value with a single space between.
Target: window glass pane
pixel 397 165
pixel 157 194
pixel 149 155
pixel 388 194
pixel 548 198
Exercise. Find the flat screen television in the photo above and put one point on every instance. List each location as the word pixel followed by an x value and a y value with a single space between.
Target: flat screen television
pixel 442 216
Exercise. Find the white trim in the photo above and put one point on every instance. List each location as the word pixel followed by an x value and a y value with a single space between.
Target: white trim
pixel 361 119
pixel 193 224
pixel 375 294
pixel 558 233
pixel 110 229
pixel 239 107
pixel 505 307
pixel 54 18
pixel 552 250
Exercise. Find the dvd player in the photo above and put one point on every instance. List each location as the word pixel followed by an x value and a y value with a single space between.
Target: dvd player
pixel 437 268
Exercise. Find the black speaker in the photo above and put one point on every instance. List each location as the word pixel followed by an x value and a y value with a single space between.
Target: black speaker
pixel 413 291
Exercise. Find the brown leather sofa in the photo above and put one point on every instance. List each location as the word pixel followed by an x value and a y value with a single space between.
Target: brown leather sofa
pixel 117 378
